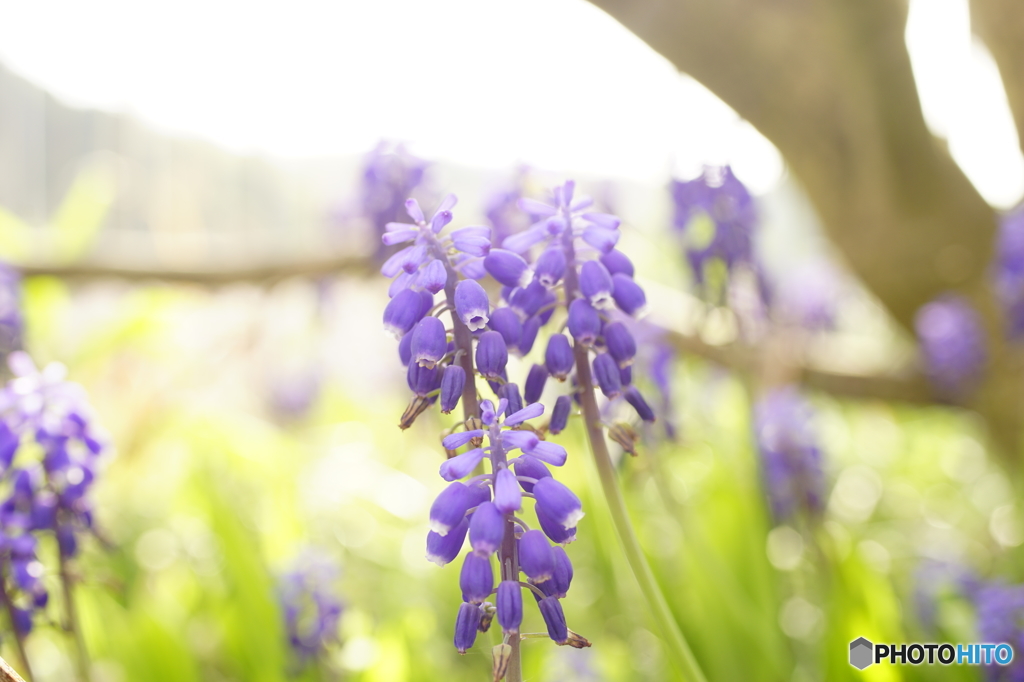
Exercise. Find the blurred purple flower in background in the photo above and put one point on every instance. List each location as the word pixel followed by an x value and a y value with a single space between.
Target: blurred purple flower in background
pixel 390 174
pixel 12 325
pixel 790 453
pixel 310 605
pixel 810 296
pixel 1008 271
pixel 1000 618
pixel 952 345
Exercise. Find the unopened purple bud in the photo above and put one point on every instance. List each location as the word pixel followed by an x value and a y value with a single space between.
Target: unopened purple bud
pixel 584 322
pixel 643 410
pixel 560 415
pixel 449 509
pixel 462 465
pixel 453 380
pixel 440 220
pixel 626 375
pixel 628 295
pixel 529 299
pixel 552 453
pixel 562 576
pixel 403 312
pixel 443 549
pixel 535 380
pixel 607 374
pixel 66 541
pixel 477 578
pixel 507 267
pixel 491 354
pixel 429 342
pixel 486 528
pixel 405 349
pixel 513 440
pixel 620 343
pixel 617 262
pixel 560 503
pixel 433 276
pixel 535 557
pixel 423 380
pixel 471 304
pixel 478 494
pixel 510 392
pixel 558 357
pixel 531 411
pixel 506 322
pixel 555 531
pixel 22 620
pixel 530 467
pixel 550 267
pixel 412 207
pixel 465 626
pixel 454 441
pixel 487 413
pixel 554 618
pixel 601 238
pixel 510 605
pixel 596 284
pixel 508 497
pixel 530 329
pixel 547 308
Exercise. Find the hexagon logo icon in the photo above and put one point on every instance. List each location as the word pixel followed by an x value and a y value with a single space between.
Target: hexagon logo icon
pixel 860 653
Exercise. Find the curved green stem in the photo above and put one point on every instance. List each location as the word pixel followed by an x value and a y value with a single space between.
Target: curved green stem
pixel 675 641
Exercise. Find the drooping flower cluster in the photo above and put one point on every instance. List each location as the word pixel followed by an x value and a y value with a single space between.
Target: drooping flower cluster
pixel 485 508
pixel 1000 618
pixel 790 454
pixel 1008 271
pixel 310 606
pixel 952 345
pixel 49 452
pixel 721 197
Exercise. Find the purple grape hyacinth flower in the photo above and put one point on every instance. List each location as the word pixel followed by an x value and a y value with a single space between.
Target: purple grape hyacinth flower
pixel 1000 618
pixel 310 605
pixel 1008 271
pixel 790 454
pixel 952 344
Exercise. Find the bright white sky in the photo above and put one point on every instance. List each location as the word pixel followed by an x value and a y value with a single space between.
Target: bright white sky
pixel 553 83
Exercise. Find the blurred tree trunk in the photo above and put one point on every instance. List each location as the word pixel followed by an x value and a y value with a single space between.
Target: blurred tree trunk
pixel 829 82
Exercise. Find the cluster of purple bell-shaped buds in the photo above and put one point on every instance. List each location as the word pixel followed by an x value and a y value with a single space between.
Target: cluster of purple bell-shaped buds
pixel 47 485
pixel 488 507
pixel 790 453
pixel 952 345
pixel 311 607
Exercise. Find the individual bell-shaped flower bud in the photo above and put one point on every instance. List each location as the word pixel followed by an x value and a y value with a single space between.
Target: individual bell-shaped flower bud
pixel 547 308
pixel 601 238
pixel 584 322
pixel 491 355
pixel 510 605
pixel 558 357
pixel 423 380
pixel 596 284
pixel 535 557
pixel 477 578
pixel 529 467
pixel 550 267
pixel 432 277
pixel 555 531
pixel 620 343
pixel 628 295
pixel 403 312
pixel 607 374
pixel 529 335
pixel 617 262
pixel 67 543
pixel 506 322
pixel 466 626
pixel 449 509
pixel 453 380
pixel 471 304
pixel 405 350
pixel 552 453
pixel 462 465
pixel 554 618
pixel 429 342
pixel 508 497
pixel 562 576
pixel 510 392
pixel 512 440
pixel 486 529
pixel 475 240
pixel 634 398
pixel 527 413
pixel 507 267
pixel 528 300
pixel 443 549
pixel 626 375
pixel 534 387
pixel 558 502
pixel 560 415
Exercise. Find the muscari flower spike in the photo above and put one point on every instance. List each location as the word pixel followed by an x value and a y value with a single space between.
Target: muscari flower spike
pixel 311 607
